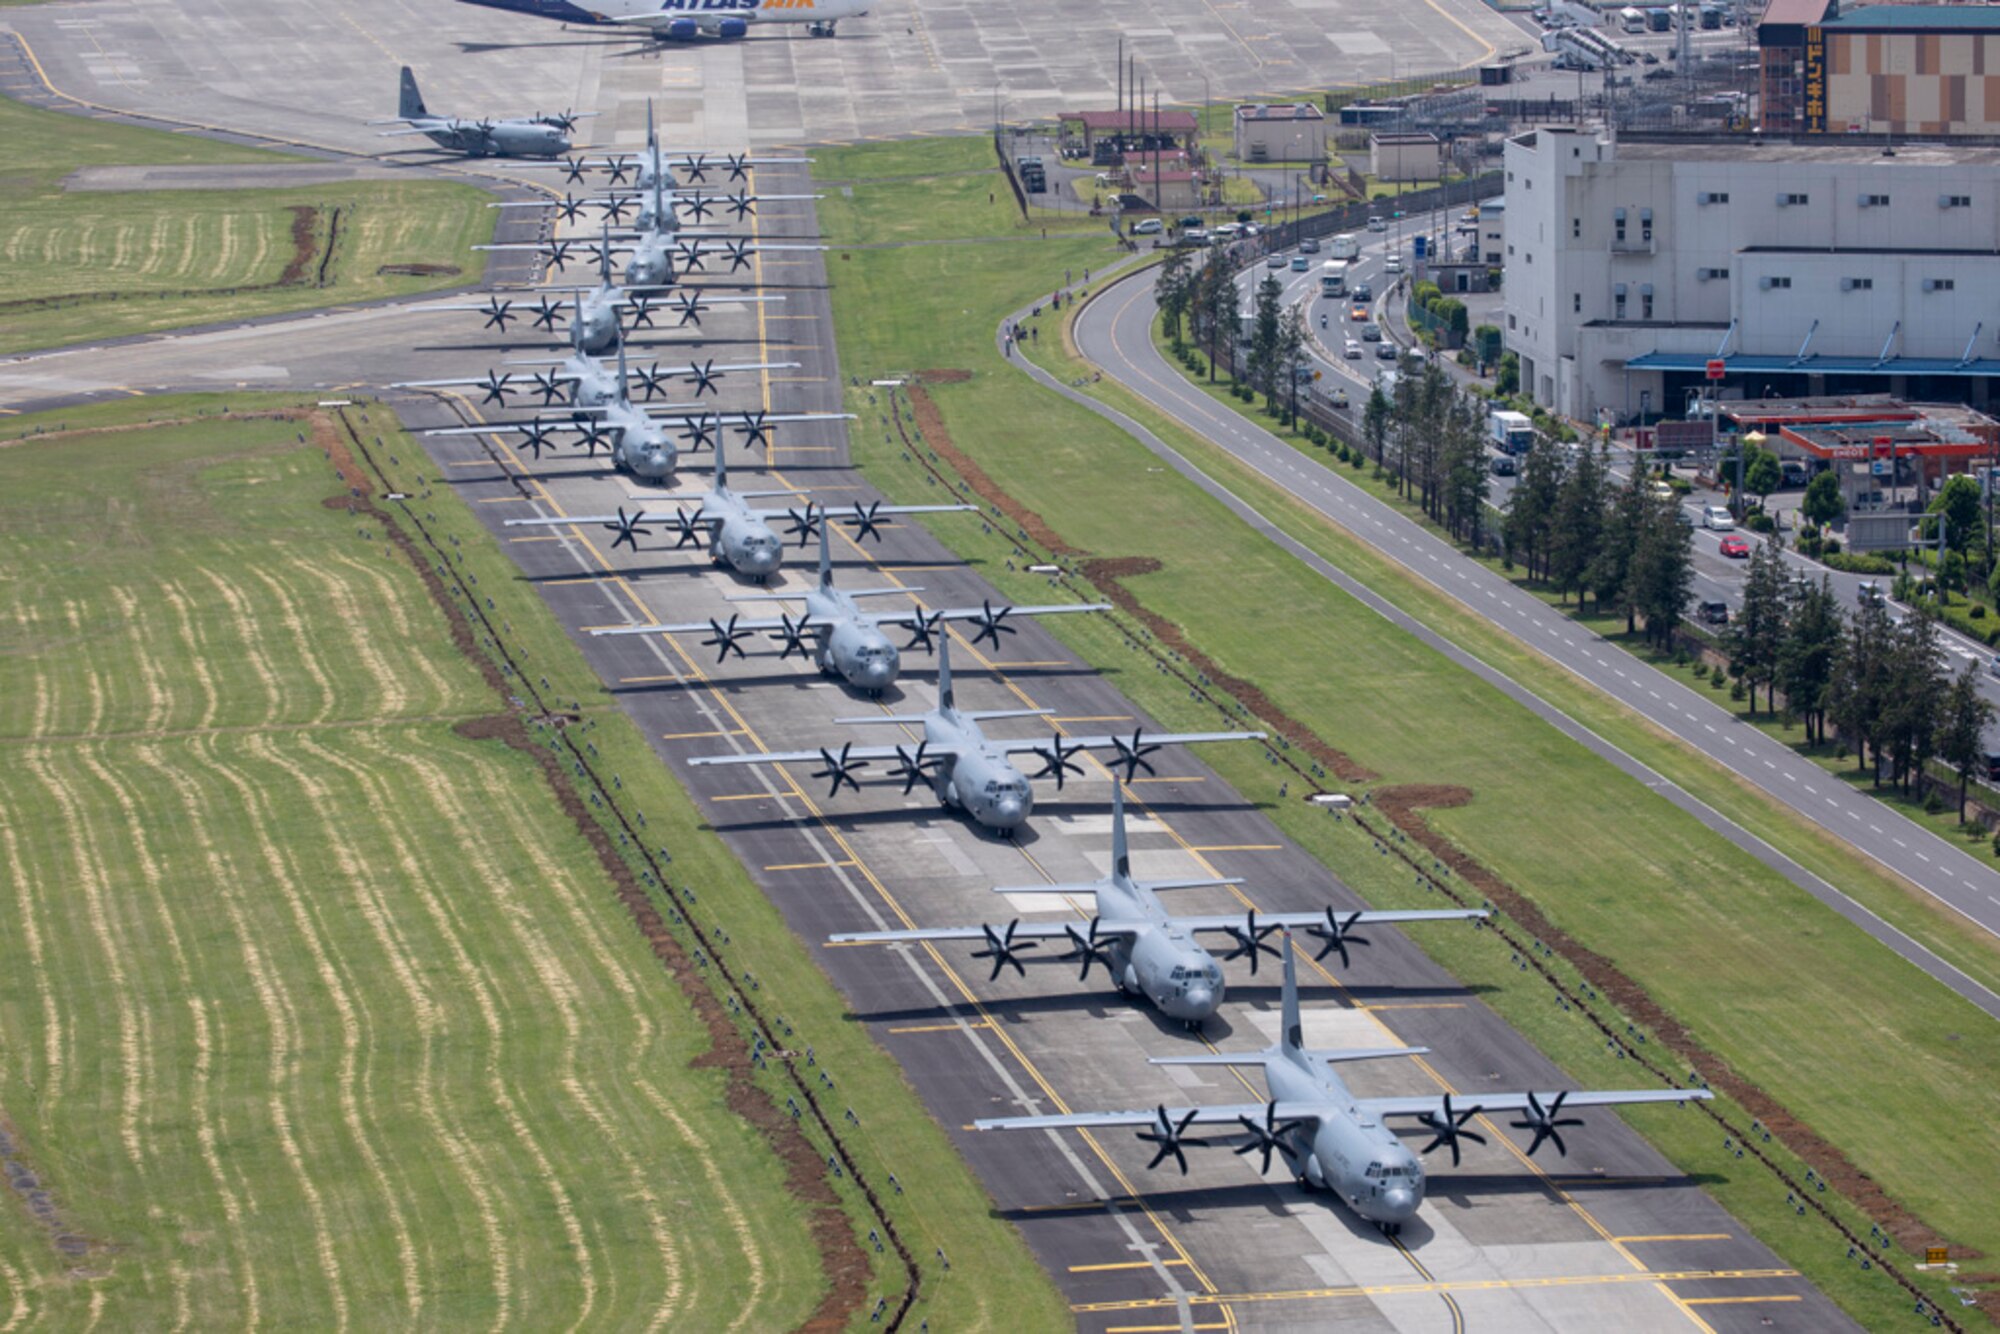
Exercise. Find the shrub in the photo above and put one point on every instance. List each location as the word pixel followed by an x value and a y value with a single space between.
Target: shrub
pixel 1978 611
pixel 1933 803
pixel 1760 522
pixel 1737 691
pixel 1342 453
pixel 1830 547
pixel 1357 460
pixel 1848 563
pixel 1716 676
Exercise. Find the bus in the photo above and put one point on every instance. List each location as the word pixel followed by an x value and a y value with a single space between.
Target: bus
pixel 1632 20
pixel 1333 278
pixel 1660 20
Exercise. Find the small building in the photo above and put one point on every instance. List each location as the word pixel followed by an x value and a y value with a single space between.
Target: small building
pixel 1902 69
pixel 1267 132
pixel 1405 156
pixel 1167 189
pixel 1105 137
pixel 1867 438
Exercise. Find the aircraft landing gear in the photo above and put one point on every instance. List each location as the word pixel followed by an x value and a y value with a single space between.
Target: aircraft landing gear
pixel 822 29
pixel 1391 1229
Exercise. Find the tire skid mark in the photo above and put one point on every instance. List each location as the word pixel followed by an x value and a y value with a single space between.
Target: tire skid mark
pixel 204 1129
pixel 174 598
pixel 92 679
pixel 390 598
pixel 29 924
pixel 279 1013
pixel 252 635
pixel 88 869
pixel 522 919
pixel 336 595
pixel 305 653
pixel 725 1196
pixel 485 993
pixel 282 864
pixel 431 1021
pixel 10 1277
pixel 146 667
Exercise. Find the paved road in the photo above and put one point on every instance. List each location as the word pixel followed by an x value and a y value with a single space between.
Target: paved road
pixel 1113 333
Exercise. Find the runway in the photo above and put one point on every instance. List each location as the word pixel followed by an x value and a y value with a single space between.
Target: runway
pixel 1611 1235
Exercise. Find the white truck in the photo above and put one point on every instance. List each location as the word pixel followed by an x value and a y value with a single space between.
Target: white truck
pixel 1333 278
pixel 1511 432
pixel 1345 246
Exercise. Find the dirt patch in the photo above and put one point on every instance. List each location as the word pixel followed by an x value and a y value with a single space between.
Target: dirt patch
pixel 305 223
pixel 1403 806
pixel 418 271
pixel 943 377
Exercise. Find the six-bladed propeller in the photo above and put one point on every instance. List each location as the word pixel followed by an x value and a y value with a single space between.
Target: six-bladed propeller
pixel 1172 1138
pixel 1002 949
pixel 1449 1129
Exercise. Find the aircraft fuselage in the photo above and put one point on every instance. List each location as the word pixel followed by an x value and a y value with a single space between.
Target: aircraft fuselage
pixel 1361 1161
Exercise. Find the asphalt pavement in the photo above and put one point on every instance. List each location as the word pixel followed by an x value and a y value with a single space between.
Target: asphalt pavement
pixel 1113 331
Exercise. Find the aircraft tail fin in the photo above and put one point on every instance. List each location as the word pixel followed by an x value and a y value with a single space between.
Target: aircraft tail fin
pixel 412 104
pixel 621 365
pixel 825 559
pixel 1293 1038
pixel 721 463
pixel 1121 859
pixel 944 672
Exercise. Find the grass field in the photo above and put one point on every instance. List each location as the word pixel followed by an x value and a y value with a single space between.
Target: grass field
pixel 86 265
pixel 316 1013
pixel 1849 1038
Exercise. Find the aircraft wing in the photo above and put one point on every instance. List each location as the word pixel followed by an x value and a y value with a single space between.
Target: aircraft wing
pixel 872 511
pixel 911 616
pixel 1017 931
pixel 490 428
pixel 1138 741
pixel 850 754
pixel 1225 1114
pixel 620 519
pixel 1304 920
pixel 691 627
pixel 1432 1105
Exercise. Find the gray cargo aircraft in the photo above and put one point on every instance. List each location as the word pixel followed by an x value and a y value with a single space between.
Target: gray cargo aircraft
pixel 1148 951
pixel 1330 1139
pixel 533 136
pixel 839 636
pixel 738 536
pixel 963 767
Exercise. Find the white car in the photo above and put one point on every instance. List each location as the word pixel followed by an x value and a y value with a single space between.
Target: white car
pixel 1148 227
pixel 1393 264
pixel 1376 223
pixel 1353 350
pixel 1274 261
pixel 1717 518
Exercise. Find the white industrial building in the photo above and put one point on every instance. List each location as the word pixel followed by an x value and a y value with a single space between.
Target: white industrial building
pixel 1803 267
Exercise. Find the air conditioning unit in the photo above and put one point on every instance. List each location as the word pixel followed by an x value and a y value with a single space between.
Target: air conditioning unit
pixel 1944 201
pixel 1704 197
pixel 1704 275
pixel 1847 284
pixel 1930 284
pixel 1767 283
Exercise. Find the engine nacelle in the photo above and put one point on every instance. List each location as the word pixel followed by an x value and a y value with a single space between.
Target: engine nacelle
pixel 683 30
pixel 733 27
pixel 1315 1172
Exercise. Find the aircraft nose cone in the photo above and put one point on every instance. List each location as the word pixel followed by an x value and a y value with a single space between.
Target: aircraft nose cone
pixel 1398 1204
pixel 1009 812
pixel 1199 1003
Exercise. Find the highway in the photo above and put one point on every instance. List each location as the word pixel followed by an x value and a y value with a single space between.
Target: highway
pixel 1113 331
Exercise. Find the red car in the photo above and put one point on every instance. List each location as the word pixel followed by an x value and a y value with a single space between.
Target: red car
pixel 1735 548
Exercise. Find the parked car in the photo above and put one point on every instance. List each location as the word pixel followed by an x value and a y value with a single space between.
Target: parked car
pixel 1717 518
pixel 1712 613
pixel 1148 227
pixel 1735 548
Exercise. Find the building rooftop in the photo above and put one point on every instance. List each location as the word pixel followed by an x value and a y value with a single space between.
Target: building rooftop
pixel 1797 13
pixel 1778 150
pixel 1909 18
pixel 1403 137
pixel 1279 111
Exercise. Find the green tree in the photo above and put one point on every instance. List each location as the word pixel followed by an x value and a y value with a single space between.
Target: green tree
pixel 1375 423
pixel 1961 728
pixel 1610 568
pixel 1761 473
pixel 1862 678
pixel 1173 288
pixel 1507 379
pixel 1914 702
pixel 1809 655
pixel 1294 361
pixel 1662 571
pixel 1755 639
pixel 1823 502
pixel 1576 527
pixel 1959 501
pixel 1266 333
pixel 1531 511
pixel 1217 312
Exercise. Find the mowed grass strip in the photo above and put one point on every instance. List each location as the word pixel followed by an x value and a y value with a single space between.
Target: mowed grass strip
pixel 992 1281
pixel 93 264
pixel 318 1015
pixel 1851 1039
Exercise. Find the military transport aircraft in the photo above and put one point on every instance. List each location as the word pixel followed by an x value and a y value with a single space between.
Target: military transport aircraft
pixel 532 136
pixel 840 637
pixel 1148 951
pixel 1330 1139
pixel 738 536
pixel 685 20
pixel 963 767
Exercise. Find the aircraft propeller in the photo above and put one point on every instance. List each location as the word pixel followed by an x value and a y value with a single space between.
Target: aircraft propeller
pixel 593 436
pixel 739 166
pixel 992 624
pixel 571 208
pixel 652 380
pixel 915 767
pixel 1268 1136
pixel 563 120
pixel 1087 948
pixel 742 204
pixel 699 432
pixel 1252 941
pixel 724 638
pixel 690 307
pixel 548 314
pixel 691 261
pixel 696 167
pixel 576 168
pixel 549 387
pixel 792 636
pixel 756 429
pixel 1338 935
pixel 535 437
pixel 1003 951
pixel 1543 1121
pixel 840 769
pixel 557 254
pixel 628 529
pixel 867 521
pixel 1133 755
pixel 1450 1130
pixel 739 254
pixel 1056 761
pixel 498 312
pixel 803 526
pixel 615 206
pixel 698 206
pixel 923 632
pixel 642 312
pixel 496 385
pixel 618 168
pixel 687 527
pixel 703 376
pixel 1172 1138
